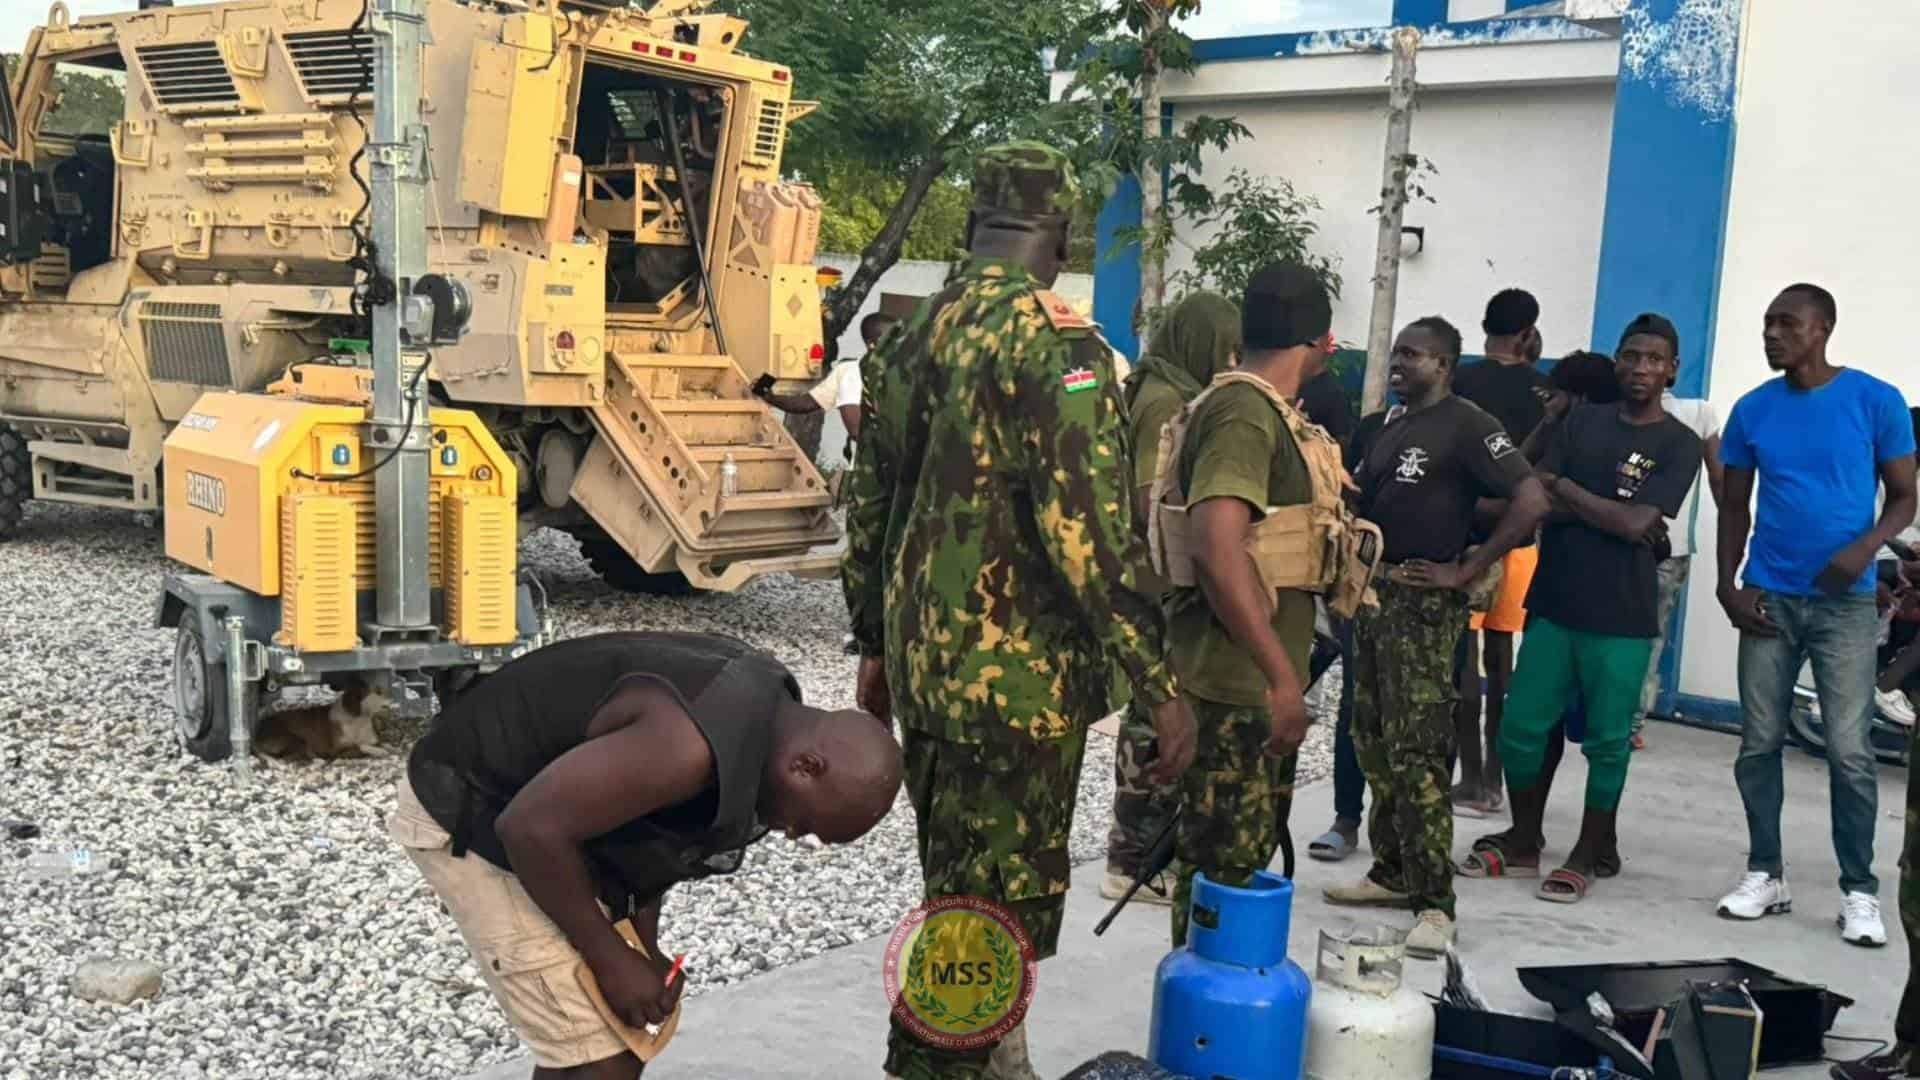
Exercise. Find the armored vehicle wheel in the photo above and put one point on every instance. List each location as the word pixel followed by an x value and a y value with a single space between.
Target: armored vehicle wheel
pixel 16 479
pixel 618 569
pixel 200 697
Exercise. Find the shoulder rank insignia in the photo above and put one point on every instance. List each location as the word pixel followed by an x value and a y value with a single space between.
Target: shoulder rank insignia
pixel 1060 313
pixel 1079 379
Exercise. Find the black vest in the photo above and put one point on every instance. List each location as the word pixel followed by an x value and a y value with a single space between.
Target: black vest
pixel 502 732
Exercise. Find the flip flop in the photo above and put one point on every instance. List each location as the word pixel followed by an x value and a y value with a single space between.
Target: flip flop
pixel 1492 863
pixel 1573 880
pixel 1496 841
pixel 1330 846
pixel 1473 810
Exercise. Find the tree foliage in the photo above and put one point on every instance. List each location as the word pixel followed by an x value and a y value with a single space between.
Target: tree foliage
pixel 1122 50
pixel 909 90
pixel 1254 221
pixel 90 103
pixel 858 202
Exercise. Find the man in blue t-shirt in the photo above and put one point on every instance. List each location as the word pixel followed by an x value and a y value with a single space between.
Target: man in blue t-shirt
pixel 1823 441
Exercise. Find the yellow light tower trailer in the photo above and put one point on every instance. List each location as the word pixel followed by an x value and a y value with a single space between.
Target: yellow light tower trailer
pixel 581 257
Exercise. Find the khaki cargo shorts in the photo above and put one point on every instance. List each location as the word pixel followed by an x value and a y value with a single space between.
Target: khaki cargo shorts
pixel 524 958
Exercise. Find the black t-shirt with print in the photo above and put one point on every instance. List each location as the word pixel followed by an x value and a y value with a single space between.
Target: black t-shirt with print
pixel 1590 580
pixel 1510 392
pixel 1324 399
pixel 1421 473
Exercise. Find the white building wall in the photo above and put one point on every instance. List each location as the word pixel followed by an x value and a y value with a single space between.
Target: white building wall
pixel 1519 196
pixel 1823 177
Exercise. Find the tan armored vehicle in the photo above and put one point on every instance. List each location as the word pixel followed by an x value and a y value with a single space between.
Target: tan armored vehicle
pixel 605 184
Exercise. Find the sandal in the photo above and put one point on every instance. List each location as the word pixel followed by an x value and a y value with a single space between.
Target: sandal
pixel 1497 841
pixel 1330 846
pixel 1563 886
pixel 1492 863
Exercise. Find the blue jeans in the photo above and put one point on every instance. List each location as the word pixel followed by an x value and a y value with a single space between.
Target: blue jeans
pixel 1837 635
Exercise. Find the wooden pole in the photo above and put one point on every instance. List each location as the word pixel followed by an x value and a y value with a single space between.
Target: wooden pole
pixel 1393 205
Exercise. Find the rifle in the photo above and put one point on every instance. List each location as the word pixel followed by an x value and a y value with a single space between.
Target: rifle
pixel 1159 856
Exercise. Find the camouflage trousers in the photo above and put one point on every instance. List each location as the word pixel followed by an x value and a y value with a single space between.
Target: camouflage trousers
pixel 1403 734
pixel 1234 801
pixel 1906 1025
pixel 993 820
pixel 1140 808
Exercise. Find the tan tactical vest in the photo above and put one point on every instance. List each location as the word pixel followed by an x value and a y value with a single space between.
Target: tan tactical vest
pixel 1318 546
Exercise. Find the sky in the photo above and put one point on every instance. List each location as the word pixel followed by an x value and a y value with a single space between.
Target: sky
pixel 1218 18
pixel 1238 18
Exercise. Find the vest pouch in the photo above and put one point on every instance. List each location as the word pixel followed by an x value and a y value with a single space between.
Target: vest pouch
pixel 1172 546
pixel 1362 547
pixel 1290 548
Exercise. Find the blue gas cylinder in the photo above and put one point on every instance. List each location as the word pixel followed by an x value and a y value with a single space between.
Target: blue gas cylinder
pixel 1230 1005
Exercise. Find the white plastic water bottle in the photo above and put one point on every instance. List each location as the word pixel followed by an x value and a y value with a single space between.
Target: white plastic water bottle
pixel 76 862
pixel 729 476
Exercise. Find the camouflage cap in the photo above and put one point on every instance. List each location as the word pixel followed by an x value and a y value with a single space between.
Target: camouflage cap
pixel 1024 177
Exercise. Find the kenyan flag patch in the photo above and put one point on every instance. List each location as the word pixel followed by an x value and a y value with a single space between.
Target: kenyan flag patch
pixel 1079 379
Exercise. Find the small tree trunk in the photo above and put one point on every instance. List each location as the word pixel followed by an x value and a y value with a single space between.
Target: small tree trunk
pixel 1153 261
pixel 884 250
pixel 1393 205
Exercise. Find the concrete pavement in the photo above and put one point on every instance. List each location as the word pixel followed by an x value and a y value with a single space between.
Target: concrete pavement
pixel 1682 832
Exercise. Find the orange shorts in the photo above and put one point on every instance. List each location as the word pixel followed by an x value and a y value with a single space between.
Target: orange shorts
pixel 1509 614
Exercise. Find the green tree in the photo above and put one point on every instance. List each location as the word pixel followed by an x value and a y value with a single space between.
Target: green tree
pixel 1121 52
pixel 90 102
pixel 909 90
pixel 1254 221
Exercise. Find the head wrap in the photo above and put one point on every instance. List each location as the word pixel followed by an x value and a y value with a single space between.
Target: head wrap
pixel 1194 343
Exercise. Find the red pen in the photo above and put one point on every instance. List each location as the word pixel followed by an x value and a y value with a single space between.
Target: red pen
pixel 679 963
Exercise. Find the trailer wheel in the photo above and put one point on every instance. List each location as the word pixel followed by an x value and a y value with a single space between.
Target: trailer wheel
pixel 617 568
pixel 200 696
pixel 16 480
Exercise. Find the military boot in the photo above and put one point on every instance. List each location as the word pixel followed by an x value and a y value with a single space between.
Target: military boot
pixel 1009 1060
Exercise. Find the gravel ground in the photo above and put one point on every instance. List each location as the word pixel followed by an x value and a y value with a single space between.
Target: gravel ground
pixel 296 940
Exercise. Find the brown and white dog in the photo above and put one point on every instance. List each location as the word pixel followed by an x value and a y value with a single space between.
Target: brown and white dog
pixel 325 731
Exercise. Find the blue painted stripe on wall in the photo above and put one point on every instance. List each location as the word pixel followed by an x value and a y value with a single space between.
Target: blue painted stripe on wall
pixel 1665 228
pixel 1419 12
pixel 1116 269
pixel 1665 225
pixel 1341 42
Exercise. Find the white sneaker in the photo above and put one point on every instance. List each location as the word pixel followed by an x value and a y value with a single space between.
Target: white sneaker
pixel 1860 921
pixel 1432 935
pixel 1895 705
pixel 1757 895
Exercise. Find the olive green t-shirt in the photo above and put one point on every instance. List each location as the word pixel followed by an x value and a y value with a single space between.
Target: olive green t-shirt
pixel 1238 447
pixel 1156 403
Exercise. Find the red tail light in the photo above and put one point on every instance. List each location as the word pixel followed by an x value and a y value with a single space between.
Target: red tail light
pixel 642 47
pixel 818 352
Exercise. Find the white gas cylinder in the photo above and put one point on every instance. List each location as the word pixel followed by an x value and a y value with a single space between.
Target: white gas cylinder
pixel 1364 1023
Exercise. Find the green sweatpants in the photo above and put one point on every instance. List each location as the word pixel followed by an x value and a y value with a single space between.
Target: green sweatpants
pixel 1554 665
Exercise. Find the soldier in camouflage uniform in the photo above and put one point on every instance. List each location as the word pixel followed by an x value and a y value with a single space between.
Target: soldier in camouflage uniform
pixel 1199 339
pixel 1423 468
pixel 990 568
pixel 1241 650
